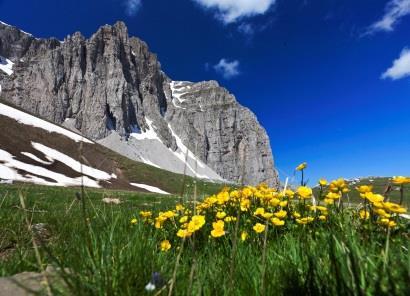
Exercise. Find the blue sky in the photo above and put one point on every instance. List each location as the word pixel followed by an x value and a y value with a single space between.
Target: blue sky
pixel 329 80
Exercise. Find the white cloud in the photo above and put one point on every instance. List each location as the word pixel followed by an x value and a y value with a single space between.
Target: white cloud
pixel 229 11
pixel 227 69
pixel 395 10
pixel 400 68
pixel 132 7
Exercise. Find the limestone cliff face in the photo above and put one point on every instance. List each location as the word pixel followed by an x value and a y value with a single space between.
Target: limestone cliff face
pixel 112 83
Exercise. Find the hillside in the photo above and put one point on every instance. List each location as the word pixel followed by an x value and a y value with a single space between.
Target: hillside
pixel 33 150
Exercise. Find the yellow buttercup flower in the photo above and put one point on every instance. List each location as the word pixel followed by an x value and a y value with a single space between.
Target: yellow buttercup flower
pixel 322 218
pixel 372 197
pixel 277 222
pixel 196 223
pixel 329 201
pixel 394 208
pixel 134 221
pixel 333 195
pixel 281 214
pixel 245 205
pixel 296 215
pixel 220 215
pixel 267 215
pixel 400 180
pixel 179 207
pixel 258 227
pixel 183 219
pixel 259 212
pixel 364 214
pixel 289 193
pixel 301 167
pixel 244 236
pixel 304 192
pixel 323 182
pixel 382 213
pixel 283 203
pixel 305 220
pixel 165 245
pixel 145 214
pixel 365 188
pixel 274 202
pixel 218 229
pixel 182 233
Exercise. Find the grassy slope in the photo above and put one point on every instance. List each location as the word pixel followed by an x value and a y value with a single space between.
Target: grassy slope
pixel 133 171
pixel 340 259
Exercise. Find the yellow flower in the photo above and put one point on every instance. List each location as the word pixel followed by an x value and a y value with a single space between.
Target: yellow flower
pixel 305 220
pixel 400 180
pixel 220 215
pixel 267 215
pixel 323 182
pixel 218 229
pixel 145 214
pixel 247 192
pixel 230 219
pixel 258 228
pixel 179 207
pixel 364 215
pixel 283 203
pixel 245 204
pixel 277 222
pixel 364 188
pixel 165 245
pixel 183 219
pixel 394 208
pixel 196 223
pixel 372 197
pixel 296 215
pixel 322 218
pixel 319 208
pixel 301 167
pixel 244 236
pixel 259 212
pixel 274 202
pixel 134 221
pixel 222 197
pixel 234 194
pixel 329 201
pixel 333 195
pixel 289 193
pixel 387 222
pixel 304 192
pixel 182 233
pixel 382 213
pixel 281 214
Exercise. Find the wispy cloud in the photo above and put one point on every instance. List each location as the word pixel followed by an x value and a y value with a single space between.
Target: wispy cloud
pixel 400 67
pixel 132 7
pixel 395 10
pixel 227 69
pixel 230 11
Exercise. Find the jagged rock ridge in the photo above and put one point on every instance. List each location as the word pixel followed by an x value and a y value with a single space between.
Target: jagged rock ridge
pixel 111 84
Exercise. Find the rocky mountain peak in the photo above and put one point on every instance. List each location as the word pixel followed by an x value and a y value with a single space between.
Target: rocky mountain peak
pixel 111 88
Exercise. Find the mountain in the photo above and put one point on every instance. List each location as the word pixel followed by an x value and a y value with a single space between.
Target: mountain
pixel 111 89
pixel 33 150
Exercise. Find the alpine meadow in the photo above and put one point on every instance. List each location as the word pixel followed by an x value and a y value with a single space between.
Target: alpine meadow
pixel 254 147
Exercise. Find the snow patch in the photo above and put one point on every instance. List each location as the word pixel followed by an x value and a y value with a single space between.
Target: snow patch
pixel 28 119
pixel 9 167
pixel 35 158
pixel 6 65
pixel 149 188
pixel 149 134
pixel 72 163
pixel 178 89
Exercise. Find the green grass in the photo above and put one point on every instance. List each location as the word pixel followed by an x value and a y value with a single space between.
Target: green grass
pixel 108 256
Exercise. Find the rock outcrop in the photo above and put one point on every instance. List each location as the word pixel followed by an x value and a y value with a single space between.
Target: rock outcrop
pixel 111 83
